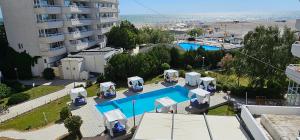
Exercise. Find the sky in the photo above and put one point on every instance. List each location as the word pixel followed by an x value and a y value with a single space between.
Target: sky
pixel 129 7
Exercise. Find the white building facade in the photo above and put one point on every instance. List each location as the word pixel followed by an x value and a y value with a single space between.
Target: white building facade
pixel 78 66
pixel 52 29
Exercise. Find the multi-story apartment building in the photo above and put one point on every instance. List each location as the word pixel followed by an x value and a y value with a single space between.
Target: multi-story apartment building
pixel 293 73
pixel 52 29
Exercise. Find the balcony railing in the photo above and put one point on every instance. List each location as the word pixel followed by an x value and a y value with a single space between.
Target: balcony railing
pixel 51 34
pixel 51 38
pixel 50 9
pixel 293 72
pixel 48 20
pixel 79 34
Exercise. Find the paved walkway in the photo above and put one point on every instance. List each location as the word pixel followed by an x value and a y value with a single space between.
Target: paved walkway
pixel 32 104
pixel 49 133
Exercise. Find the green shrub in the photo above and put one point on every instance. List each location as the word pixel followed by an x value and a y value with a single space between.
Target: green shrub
pixel 48 74
pixel 65 113
pixel 73 125
pixel 165 66
pixel 189 68
pixel 181 73
pixel 15 86
pixel 18 98
pixel 88 83
pixel 5 91
pixel 100 78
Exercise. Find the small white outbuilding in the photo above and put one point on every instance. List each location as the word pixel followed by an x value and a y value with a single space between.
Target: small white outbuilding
pixel 135 83
pixel 171 75
pixel 112 117
pixel 192 78
pixel 208 83
pixel 76 92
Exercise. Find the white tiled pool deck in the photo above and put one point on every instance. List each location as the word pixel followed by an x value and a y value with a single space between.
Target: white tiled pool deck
pixel 93 121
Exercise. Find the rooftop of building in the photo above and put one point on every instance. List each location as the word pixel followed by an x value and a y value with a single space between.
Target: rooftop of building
pixel 272 122
pixel 180 126
pixel 96 51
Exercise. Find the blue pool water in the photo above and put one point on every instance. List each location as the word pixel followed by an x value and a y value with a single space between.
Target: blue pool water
pixel 144 102
pixel 192 46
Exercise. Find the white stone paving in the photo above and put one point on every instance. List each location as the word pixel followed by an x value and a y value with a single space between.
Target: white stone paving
pixel 49 133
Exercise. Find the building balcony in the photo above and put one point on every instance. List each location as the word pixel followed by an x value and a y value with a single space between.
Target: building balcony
pixel 293 72
pixel 296 49
pixel 51 52
pixel 51 38
pixel 103 30
pixel 78 22
pixel 108 19
pixel 81 46
pixel 77 9
pixel 47 9
pixel 50 23
pixel 108 1
pixel 79 34
pixel 108 10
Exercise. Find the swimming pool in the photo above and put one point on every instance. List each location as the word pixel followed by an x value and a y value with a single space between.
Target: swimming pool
pixel 193 46
pixel 144 102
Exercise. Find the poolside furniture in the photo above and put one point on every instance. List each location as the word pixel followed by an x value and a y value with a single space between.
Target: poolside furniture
pixel 199 97
pixel 208 83
pixel 116 122
pixel 78 96
pixel 192 78
pixel 135 84
pixel 165 105
pixel 108 90
pixel 171 76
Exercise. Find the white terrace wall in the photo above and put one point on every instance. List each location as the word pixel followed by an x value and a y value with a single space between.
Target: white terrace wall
pixel 253 126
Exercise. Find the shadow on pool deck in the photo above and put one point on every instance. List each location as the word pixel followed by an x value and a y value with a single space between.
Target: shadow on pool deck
pixel 128 93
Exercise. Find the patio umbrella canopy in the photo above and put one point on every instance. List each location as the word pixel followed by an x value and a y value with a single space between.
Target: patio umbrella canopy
pixel 192 78
pixel 171 75
pixel 200 94
pixel 104 87
pixel 166 103
pixel 135 83
pixel 111 117
pixel 76 92
pixel 206 81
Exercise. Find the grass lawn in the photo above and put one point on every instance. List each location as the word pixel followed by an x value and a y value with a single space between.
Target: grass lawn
pixel 230 78
pixel 35 118
pixel 224 110
pixel 37 92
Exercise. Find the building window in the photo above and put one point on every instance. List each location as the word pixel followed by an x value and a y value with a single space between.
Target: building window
pixel 67 68
pixel 45 60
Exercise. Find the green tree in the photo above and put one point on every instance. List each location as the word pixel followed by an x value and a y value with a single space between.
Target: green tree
pixel 48 74
pixel 269 45
pixel 5 91
pixel 175 58
pixel 65 113
pixel 165 66
pixel 73 125
pixel 196 32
